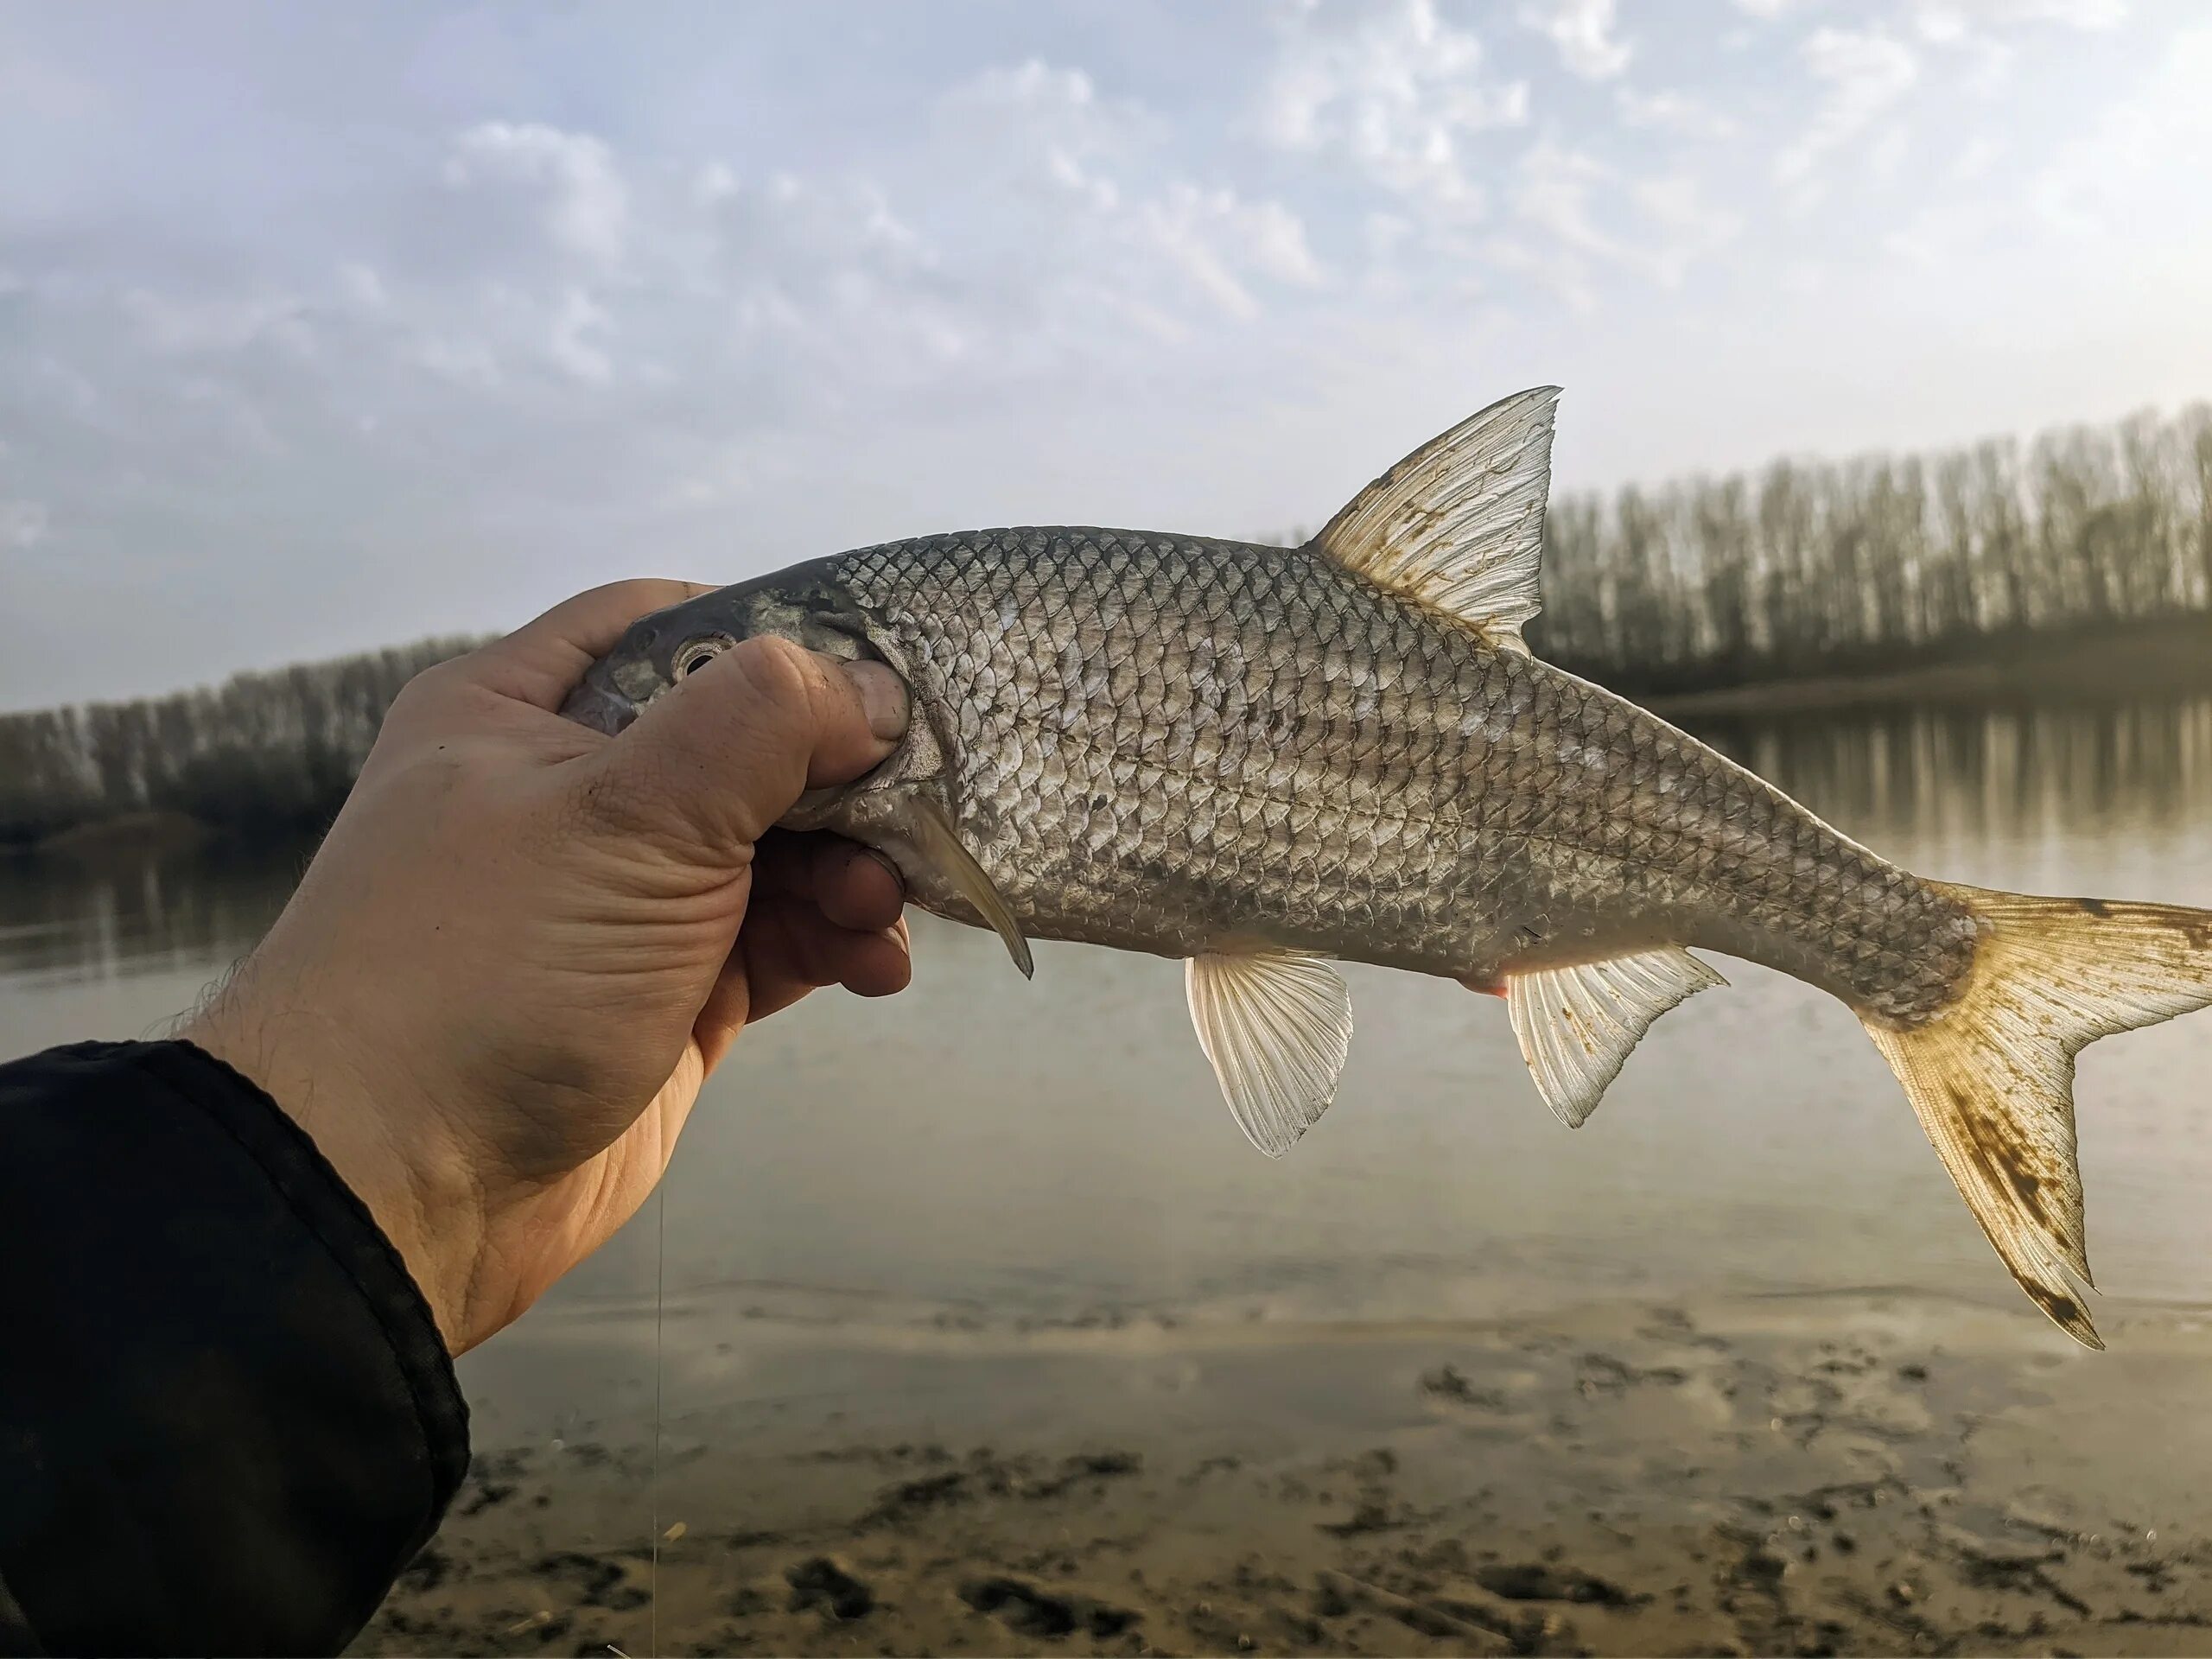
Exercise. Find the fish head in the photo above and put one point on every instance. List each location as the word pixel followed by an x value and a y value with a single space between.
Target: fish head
pixel 803 604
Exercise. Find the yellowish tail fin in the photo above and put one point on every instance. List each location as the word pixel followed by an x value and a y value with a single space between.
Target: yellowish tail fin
pixel 1992 1077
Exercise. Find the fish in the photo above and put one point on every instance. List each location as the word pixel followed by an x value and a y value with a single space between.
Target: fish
pixel 1260 760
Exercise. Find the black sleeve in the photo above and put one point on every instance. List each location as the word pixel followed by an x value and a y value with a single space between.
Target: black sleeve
pixel 226 1418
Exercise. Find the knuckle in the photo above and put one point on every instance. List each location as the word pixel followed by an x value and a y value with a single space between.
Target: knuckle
pixel 782 675
pixel 637 595
pixel 430 688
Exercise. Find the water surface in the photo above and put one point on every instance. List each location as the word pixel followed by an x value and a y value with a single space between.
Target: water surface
pixel 984 1152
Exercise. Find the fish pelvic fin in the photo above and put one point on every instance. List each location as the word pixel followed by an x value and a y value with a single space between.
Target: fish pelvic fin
pixel 1459 523
pixel 1576 1025
pixel 1277 1025
pixel 1991 1075
pixel 940 844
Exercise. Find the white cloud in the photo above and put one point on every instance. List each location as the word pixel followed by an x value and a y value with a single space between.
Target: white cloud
pixel 1129 230
pixel 1949 20
pixel 2142 156
pixel 585 203
pixel 715 182
pixel 1579 214
pixel 1035 124
pixel 1583 32
pixel 1672 111
pixel 362 286
pixel 22 525
pixel 1034 84
pixel 1393 88
pixel 1689 225
pixel 1194 228
pixel 2079 14
pixel 1974 161
pixel 1939 24
pixel 1057 112
pixel 185 326
pixel 468 364
pixel 1863 74
pixel 1551 190
pixel 576 337
pixel 1986 32
pixel 1764 8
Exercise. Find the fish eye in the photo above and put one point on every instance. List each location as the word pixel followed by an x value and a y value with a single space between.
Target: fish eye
pixel 697 653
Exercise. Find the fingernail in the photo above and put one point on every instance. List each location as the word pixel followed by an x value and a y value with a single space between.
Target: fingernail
pixel 883 695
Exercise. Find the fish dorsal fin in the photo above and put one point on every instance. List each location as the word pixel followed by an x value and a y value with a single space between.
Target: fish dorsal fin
pixel 1277 1027
pixel 1459 523
pixel 1577 1025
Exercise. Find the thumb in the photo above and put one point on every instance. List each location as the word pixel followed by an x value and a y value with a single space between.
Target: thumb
pixel 721 755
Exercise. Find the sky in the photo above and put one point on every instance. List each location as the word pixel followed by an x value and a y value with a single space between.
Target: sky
pixel 328 327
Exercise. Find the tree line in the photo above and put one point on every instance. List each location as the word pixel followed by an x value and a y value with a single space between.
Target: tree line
pixel 1862 565
pixel 1804 568
pixel 265 754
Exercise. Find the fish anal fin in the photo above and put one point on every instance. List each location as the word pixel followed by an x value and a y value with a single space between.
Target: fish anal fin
pixel 1459 523
pixel 1577 1024
pixel 1276 1026
pixel 935 839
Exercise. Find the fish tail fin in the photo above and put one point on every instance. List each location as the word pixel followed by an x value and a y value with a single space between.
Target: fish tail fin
pixel 1992 1077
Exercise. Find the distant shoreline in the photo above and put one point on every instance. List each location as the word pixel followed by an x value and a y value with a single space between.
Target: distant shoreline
pixel 2166 657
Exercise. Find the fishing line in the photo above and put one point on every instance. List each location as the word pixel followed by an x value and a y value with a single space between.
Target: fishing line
pixel 660 1296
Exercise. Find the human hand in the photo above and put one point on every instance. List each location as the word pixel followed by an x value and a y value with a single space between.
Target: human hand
pixel 525 944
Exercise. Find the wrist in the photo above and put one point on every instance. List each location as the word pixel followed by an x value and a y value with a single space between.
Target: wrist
pixel 298 1059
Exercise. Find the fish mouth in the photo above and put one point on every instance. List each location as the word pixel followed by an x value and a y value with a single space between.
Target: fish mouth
pixel 600 709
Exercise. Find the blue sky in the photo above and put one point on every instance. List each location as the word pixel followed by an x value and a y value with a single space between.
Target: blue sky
pixel 325 327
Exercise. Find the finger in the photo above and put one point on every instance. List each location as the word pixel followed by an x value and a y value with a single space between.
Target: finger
pixel 716 760
pixel 853 886
pixel 790 950
pixel 775 962
pixel 541 662
pixel 728 1007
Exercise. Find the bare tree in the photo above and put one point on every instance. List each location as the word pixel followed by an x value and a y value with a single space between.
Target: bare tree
pixel 1866 563
pixel 1807 566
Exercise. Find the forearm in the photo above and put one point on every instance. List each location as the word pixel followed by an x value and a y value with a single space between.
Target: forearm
pixel 226 1418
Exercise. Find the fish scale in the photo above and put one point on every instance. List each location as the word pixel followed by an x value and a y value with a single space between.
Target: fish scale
pixel 1420 841
pixel 1256 759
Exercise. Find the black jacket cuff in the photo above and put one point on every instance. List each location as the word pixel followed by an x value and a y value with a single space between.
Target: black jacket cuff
pixel 227 1418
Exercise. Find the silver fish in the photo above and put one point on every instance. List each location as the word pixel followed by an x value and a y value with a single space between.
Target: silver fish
pixel 1258 759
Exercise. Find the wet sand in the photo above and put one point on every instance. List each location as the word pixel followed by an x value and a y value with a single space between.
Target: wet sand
pixel 1854 1473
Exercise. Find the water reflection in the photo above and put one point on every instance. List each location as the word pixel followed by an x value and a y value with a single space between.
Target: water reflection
pixel 1056 1148
pixel 1996 774
pixel 1907 779
pixel 111 912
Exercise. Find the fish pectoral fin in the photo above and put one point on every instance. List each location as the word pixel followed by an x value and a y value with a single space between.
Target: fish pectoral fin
pixel 1277 1025
pixel 1459 523
pixel 1577 1025
pixel 937 841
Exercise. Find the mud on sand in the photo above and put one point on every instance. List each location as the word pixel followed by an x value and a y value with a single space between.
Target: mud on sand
pixel 1862 1474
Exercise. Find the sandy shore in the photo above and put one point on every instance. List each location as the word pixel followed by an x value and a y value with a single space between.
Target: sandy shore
pixel 1861 1474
